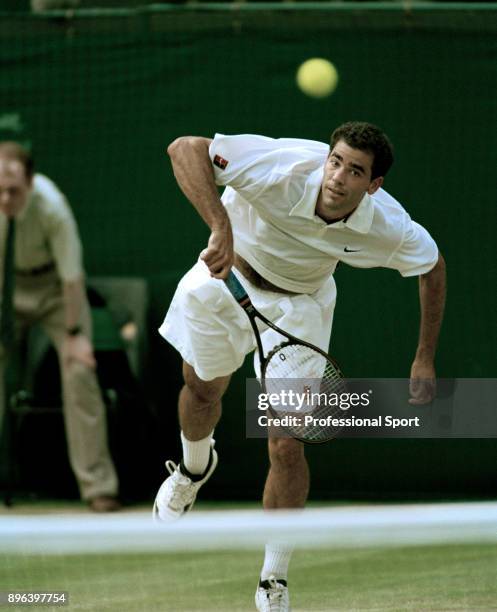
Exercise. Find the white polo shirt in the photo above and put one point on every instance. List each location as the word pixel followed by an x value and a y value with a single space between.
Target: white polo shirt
pixel 272 186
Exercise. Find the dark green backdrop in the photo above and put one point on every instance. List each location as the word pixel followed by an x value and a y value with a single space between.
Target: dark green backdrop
pixel 100 95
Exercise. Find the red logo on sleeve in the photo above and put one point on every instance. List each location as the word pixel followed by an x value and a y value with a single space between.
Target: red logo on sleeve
pixel 220 162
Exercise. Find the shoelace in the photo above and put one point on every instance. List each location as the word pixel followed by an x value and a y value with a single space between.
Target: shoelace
pixel 171 467
pixel 274 595
pixel 182 491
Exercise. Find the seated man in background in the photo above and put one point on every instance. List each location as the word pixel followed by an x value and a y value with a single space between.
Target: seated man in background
pixel 43 282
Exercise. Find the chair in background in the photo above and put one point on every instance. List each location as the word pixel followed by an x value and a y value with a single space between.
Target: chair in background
pixel 127 301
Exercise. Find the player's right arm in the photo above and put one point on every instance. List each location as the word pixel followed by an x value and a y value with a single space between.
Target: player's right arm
pixel 194 174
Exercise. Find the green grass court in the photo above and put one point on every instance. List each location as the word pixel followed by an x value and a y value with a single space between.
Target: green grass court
pixel 411 578
pixel 444 575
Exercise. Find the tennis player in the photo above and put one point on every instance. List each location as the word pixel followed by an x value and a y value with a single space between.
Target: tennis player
pixel 290 211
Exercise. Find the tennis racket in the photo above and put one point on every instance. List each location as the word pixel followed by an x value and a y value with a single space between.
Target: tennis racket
pixel 299 368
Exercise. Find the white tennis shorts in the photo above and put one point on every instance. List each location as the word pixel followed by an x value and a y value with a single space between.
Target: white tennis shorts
pixel 213 334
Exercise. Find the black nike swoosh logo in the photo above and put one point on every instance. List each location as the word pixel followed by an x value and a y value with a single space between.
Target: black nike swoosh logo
pixel 347 250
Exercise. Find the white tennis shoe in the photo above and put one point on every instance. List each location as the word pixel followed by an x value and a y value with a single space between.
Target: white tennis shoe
pixel 272 596
pixel 178 492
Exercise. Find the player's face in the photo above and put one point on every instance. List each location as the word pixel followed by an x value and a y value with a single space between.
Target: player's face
pixel 347 177
pixel 14 187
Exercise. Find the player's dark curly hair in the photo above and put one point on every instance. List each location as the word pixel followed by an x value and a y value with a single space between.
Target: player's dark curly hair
pixel 367 137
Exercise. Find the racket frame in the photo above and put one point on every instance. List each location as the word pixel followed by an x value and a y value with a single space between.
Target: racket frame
pixel 241 296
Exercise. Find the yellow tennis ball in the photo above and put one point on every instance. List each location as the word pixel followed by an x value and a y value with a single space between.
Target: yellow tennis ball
pixel 317 77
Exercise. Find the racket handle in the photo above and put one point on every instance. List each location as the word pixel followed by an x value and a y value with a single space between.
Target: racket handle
pixel 235 287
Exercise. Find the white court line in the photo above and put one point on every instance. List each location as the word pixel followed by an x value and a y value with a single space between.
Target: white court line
pixel 338 527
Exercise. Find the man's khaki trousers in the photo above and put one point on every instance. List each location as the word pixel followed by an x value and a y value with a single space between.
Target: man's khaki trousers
pixel 38 299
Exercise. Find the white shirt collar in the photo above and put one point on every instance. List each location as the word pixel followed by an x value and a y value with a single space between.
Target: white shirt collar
pixel 362 217
pixel 360 220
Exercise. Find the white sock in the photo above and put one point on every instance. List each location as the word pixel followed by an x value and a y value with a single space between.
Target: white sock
pixel 196 454
pixel 276 560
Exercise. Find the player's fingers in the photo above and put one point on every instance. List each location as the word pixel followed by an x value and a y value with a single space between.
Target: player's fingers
pixel 208 255
pixel 216 269
pixel 212 257
pixel 417 387
pixel 419 401
pixel 217 264
pixel 414 386
pixel 422 391
pixel 221 272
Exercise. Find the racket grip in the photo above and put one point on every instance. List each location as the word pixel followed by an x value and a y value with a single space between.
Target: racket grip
pixel 235 287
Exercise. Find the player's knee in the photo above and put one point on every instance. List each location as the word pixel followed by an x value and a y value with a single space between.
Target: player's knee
pixel 204 393
pixel 285 452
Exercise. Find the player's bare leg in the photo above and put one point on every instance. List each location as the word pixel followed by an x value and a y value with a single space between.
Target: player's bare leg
pixel 200 403
pixel 287 486
pixel 199 411
pixel 287 483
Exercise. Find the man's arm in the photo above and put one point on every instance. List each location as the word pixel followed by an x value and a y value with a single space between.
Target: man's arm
pixel 77 347
pixel 432 290
pixel 194 173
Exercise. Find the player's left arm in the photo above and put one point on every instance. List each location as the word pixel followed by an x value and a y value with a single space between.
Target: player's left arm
pixel 432 291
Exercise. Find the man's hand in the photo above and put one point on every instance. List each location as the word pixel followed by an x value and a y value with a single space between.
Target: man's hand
pixel 79 348
pixel 432 301
pixel 218 256
pixel 423 385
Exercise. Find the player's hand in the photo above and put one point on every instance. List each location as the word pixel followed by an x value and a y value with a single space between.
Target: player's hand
pixel 79 348
pixel 219 256
pixel 423 383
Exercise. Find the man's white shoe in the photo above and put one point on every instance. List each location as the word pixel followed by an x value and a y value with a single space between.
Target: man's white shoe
pixel 178 492
pixel 272 596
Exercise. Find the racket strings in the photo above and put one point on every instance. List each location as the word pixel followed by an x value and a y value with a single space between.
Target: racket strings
pixel 316 380
pixel 297 361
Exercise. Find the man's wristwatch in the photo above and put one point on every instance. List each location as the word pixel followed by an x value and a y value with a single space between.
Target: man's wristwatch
pixel 74 331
